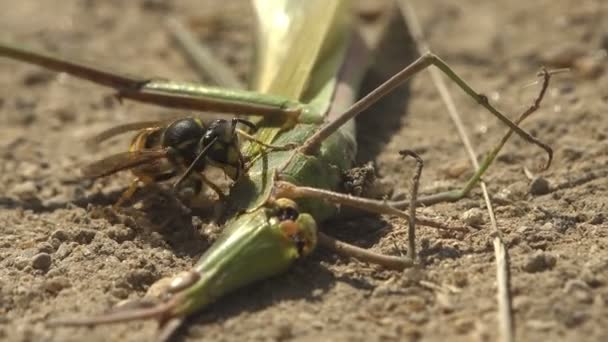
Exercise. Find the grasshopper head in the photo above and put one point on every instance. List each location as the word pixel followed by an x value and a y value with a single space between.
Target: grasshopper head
pixel 301 229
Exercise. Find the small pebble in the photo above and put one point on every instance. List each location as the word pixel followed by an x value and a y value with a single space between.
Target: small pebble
pixel 572 153
pixel 579 290
pixel 473 217
pixel 539 262
pixel 25 190
pixel 549 227
pixel 85 236
pixel 54 285
pixel 589 66
pixel 539 186
pixel 41 261
pixel 593 279
pixel 514 192
pixel 140 278
pixel 564 55
pixel 599 218
pixel 60 235
pixel 45 247
pixel 119 293
pixel 64 250
pixel 20 262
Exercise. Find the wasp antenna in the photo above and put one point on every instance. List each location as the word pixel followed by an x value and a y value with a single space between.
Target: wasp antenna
pixel 247 123
pixel 193 164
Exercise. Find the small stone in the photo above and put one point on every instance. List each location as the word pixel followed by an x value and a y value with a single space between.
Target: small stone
pixel 20 262
pixel 45 247
pixel 539 186
pixel 473 217
pixel 539 262
pixel 140 278
pixel 54 285
pixel 575 318
pixel 41 261
pixel 64 250
pixel 121 233
pixel 25 190
pixel 564 55
pixel 85 236
pixel 514 192
pixel 572 153
pixel 589 66
pixel 541 325
pixel 119 293
pixel 60 235
pixel 457 169
pixel 593 279
pixel 599 218
pixel 548 227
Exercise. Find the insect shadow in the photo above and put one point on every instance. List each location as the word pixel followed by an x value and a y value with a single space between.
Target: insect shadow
pixel 378 125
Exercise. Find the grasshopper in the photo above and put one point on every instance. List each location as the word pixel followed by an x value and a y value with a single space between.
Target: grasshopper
pixel 304 94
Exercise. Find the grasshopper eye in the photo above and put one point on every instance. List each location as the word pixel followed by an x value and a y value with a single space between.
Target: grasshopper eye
pixel 301 229
pixel 287 210
pixel 288 213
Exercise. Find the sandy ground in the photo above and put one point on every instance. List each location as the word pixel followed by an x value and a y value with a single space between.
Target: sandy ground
pixel 63 252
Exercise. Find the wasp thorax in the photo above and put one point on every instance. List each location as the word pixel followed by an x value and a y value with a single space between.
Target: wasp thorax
pixel 183 134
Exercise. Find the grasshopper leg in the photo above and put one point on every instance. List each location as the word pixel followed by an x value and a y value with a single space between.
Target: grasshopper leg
pixel 289 190
pixel 170 94
pixel 387 261
pixel 285 147
pixel 312 145
pixel 162 312
pixel 455 195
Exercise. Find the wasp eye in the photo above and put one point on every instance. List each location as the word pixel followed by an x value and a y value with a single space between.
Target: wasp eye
pixel 220 129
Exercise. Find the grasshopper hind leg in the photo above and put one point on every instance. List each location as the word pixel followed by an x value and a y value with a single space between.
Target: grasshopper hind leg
pixel 285 189
pixel 455 195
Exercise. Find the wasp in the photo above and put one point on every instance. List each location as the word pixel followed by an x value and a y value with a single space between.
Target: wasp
pixel 162 150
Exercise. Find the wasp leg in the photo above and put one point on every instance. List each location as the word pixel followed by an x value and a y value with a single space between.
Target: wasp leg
pixel 214 187
pixel 127 194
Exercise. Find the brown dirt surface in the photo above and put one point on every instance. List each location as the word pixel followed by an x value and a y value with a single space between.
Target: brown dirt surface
pixel 63 252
